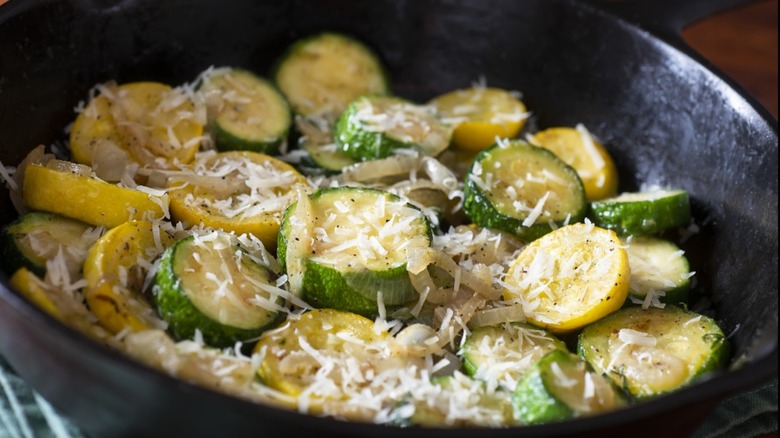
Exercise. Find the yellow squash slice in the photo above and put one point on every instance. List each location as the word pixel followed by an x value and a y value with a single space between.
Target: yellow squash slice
pixel 115 270
pixel 85 198
pixel 152 122
pixel 588 157
pixel 35 290
pixel 570 277
pixel 481 115
pixel 290 364
pixel 243 192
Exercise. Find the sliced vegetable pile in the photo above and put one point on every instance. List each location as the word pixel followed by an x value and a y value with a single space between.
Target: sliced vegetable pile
pixel 314 241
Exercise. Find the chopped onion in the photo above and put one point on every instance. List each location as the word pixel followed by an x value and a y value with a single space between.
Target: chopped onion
pixel 497 315
pixel 67 166
pixel 436 295
pixel 109 161
pixel 36 156
pixel 375 169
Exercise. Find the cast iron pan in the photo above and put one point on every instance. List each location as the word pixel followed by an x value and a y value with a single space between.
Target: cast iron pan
pixel 664 116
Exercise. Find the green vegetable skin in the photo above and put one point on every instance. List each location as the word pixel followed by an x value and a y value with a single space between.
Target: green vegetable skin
pixel 659 267
pixel 494 207
pixel 682 347
pixel 499 402
pixel 347 285
pixel 366 139
pixel 520 344
pixel 258 119
pixel 643 213
pixel 316 139
pixel 322 73
pixel 540 399
pixel 50 231
pixel 174 301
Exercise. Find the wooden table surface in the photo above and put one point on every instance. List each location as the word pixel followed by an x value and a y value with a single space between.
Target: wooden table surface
pixel 743 44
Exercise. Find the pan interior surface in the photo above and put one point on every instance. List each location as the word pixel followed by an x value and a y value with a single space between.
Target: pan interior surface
pixel 664 118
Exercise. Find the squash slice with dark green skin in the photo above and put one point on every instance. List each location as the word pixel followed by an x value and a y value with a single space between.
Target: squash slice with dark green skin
pixel 322 154
pixel 561 386
pixel 488 407
pixel 36 237
pixel 660 272
pixel 501 354
pixel 654 351
pixel 522 189
pixel 210 285
pixel 643 213
pixel 245 111
pixel 374 127
pixel 342 247
pixel 322 73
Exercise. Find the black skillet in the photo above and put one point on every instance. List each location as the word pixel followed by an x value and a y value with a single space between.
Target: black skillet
pixel 664 116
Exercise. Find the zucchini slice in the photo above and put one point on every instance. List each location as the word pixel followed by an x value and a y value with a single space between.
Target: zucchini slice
pixel 316 140
pixel 561 386
pixel 577 147
pixel 481 114
pixel 238 191
pixel 643 213
pixel 501 354
pixel 209 284
pixel 522 189
pixel 36 237
pixel 455 400
pixel 295 355
pixel 245 111
pixel 115 271
pixel 660 272
pixel 348 244
pixel 570 278
pixel 373 127
pixel 322 73
pixel 156 124
pixel 90 200
pixel 654 351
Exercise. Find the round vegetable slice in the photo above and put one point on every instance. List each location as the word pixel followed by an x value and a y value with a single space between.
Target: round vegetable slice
pixel 36 237
pixel 643 213
pixel 523 190
pixel 561 386
pixel 317 141
pixel 115 271
pixel 571 277
pixel 455 400
pixel 660 272
pixel 578 148
pixel 342 247
pixel 239 191
pixel 373 127
pixel 34 289
pixel 155 124
pixel 209 284
pixel 246 111
pixel 501 354
pixel 481 114
pixel 653 351
pixel 85 198
pixel 290 353
pixel 322 73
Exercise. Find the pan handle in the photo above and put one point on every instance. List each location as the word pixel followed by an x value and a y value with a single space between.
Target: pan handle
pixel 667 17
